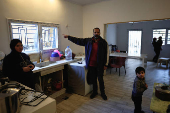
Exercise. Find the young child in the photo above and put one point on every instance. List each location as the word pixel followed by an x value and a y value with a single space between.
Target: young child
pixel 139 87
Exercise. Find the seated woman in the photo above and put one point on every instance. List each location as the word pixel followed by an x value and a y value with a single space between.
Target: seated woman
pixel 17 65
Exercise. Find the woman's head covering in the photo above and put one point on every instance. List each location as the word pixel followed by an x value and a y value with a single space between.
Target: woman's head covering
pixel 13 43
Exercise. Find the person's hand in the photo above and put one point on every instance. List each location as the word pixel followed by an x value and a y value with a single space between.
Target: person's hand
pixel 65 36
pixel 146 85
pixel 105 67
pixel 31 66
pixel 26 69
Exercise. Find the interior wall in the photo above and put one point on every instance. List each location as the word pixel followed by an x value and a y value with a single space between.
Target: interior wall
pixel 111 35
pixel 113 11
pixel 53 11
pixel 147 35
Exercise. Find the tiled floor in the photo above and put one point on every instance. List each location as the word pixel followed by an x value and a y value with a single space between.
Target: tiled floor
pixel 118 90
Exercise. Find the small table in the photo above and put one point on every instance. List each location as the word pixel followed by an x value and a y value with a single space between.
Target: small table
pixel 158 105
pixel 128 55
pixel 163 59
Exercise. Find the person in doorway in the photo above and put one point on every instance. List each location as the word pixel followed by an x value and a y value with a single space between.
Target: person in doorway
pixel 96 59
pixel 158 48
pixel 160 42
pixel 139 86
pixel 17 65
pixel 155 45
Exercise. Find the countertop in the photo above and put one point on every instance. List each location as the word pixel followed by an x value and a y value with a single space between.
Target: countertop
pixel 46 106
pixel 58 63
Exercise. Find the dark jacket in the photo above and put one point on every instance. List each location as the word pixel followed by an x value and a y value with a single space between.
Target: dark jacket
pixel 12 68
pixel 155 45
pixel 139 86
pixel 101 53
pixel 160 42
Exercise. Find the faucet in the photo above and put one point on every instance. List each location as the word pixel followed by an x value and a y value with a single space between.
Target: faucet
pixel 41 53
pixel 3 80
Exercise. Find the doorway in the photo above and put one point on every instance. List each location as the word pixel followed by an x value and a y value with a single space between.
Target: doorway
pixel 134 43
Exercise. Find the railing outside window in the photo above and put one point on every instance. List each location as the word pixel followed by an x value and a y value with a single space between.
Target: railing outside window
pixel 30 32
pixel 168 39
pixel 159 32
pixel 50 37
pixel 27 33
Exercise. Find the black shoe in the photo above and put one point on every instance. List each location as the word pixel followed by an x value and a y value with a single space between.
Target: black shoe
pixel 93 95
pixel 104 96
pixel 142 111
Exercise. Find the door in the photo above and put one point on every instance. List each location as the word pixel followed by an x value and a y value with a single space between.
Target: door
pixel 134 44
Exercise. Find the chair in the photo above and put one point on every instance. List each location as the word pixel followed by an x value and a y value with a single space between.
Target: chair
pixel 118 51
pixel 117 62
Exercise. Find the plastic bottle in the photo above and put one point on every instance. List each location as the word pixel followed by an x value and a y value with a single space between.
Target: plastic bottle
pixel 68 53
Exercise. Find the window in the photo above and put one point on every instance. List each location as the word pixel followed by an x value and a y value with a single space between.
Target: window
pixel 30 33
pixel 168 39
pixel 50 37
pixel 159 32
pixel 165 33
pixel 27 33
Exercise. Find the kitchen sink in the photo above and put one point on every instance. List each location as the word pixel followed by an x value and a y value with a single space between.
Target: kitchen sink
pixel 43 64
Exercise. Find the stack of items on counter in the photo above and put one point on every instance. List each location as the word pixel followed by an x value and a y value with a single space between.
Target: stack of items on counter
pixel 55 56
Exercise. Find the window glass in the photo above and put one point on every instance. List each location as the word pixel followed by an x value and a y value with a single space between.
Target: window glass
pixel 159 32
pixel 50 37
pixel 27 33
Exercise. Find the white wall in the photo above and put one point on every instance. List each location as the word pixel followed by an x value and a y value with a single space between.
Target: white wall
pixel 96 15
pixel 111 35
pixel 55 11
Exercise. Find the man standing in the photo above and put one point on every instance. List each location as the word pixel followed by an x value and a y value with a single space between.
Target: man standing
pixel 96 59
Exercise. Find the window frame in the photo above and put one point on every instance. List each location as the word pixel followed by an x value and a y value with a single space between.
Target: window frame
pixel 39 35
pixel 166 35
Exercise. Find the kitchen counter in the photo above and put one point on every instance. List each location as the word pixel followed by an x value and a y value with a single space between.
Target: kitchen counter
pixel 55 68
pixel 58 63
pixel 46 106
pixel 77 79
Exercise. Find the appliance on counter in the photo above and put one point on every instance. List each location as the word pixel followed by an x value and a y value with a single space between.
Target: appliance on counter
pixel 9 98
pixel 162 92
pixel 13 95
pixel 31 97
pixel 55 56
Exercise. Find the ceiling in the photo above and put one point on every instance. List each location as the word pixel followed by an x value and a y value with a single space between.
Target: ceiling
pixel 84 2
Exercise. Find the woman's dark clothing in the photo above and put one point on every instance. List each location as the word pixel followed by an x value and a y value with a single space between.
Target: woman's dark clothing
pixel 157 49
pixel 160 42
pixel 12 68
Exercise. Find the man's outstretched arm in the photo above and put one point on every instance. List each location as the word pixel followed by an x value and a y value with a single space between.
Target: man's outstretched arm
pixel 78 41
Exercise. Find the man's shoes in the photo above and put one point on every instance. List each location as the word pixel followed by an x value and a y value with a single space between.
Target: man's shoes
pixel 104 96
pixel 93 95
pixel 142 111
pixel 139 111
